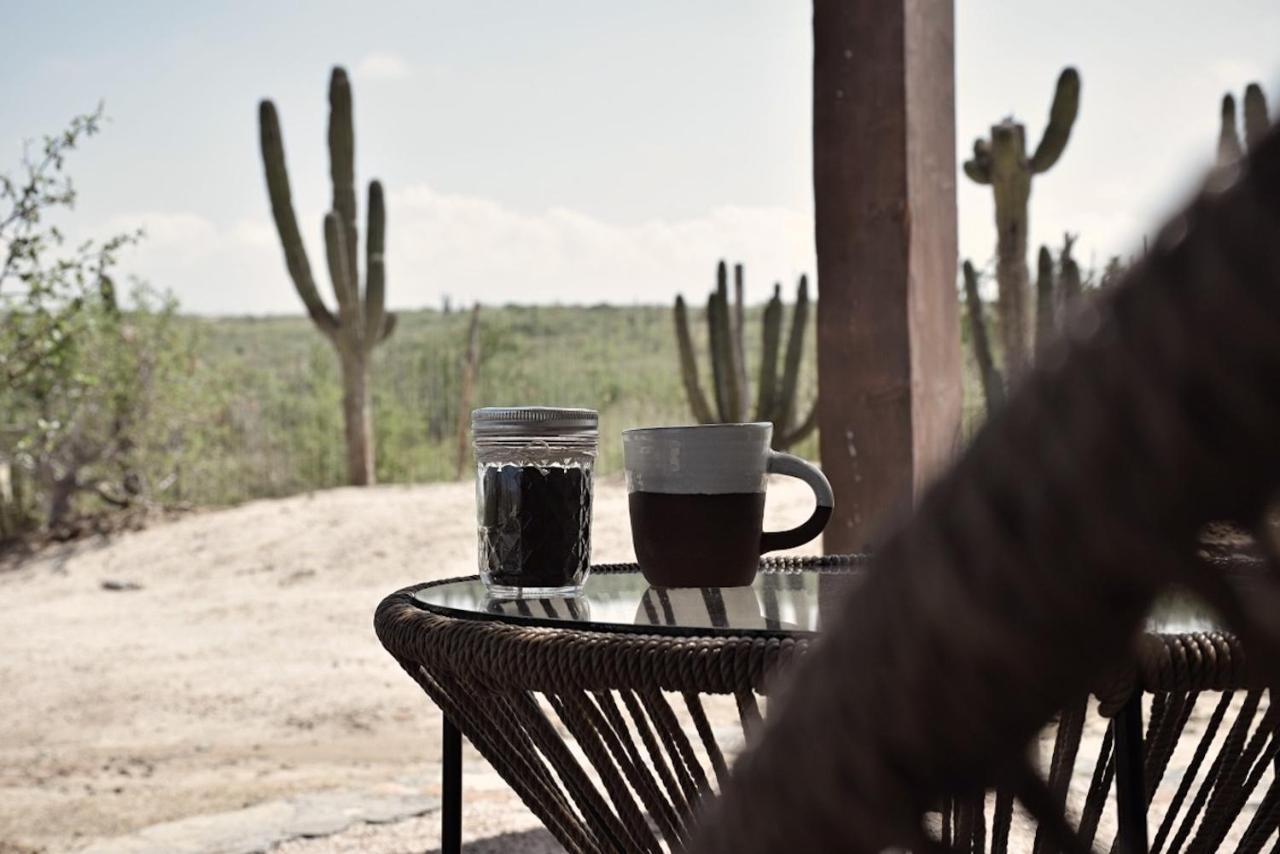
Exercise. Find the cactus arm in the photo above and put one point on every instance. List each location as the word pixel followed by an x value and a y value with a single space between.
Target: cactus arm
pixel 1229 148
pixel 689 366
pixel 979 167
pixel 342 157
pixel 739 345
pixel 295 253
pixel 992 382
pixel 1256 122
pixel 375 289
pixel 786 406
pixel 1070 282
pixel 343 284
pixel 722 350
pixel 727 347
pixel 979 173
pixel 1045 315
pixel 766 403
pixel 801 433
pixel 713 347
pixel 388 326
pixel 1062 115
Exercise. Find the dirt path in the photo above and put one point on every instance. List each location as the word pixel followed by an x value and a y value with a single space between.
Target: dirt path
pixel 244 668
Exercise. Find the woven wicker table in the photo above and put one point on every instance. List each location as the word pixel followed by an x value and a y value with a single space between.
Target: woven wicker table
pixel 613 715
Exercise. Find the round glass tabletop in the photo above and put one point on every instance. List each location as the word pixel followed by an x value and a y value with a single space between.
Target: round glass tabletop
pixel 780 602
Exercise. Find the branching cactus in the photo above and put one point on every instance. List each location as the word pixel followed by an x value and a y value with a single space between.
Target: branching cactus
pixel 362 321
pixel 1002 162
pixel 1256 123
pixel 778 387
pixel 1059 285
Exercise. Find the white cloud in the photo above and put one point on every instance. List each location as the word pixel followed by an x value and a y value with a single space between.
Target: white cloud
pixel 472 248
pixel 475 249
pixel 251 232
pixel 381 65
pixel 166 231
pixel 1232 75
pixel 210 268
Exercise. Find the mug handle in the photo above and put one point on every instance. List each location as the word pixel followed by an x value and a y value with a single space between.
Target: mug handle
pixel 793 466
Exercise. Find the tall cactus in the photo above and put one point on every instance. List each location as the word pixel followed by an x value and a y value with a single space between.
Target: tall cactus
pixel 779 389
pixel 362 321
pixel 1256 123
pixel 1002 162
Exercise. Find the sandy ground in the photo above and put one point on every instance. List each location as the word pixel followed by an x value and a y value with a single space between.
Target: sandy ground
pixel 245 667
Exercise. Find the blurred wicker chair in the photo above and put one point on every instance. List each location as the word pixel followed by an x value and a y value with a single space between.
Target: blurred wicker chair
pixel 1028 570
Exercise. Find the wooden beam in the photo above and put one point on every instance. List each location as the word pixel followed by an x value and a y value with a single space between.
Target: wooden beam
pixel 884 171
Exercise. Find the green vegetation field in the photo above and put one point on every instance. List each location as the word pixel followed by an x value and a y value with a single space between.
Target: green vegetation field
pixel 263 394
pixel 275 426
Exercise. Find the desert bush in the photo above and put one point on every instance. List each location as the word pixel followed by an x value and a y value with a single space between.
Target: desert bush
pixel 85 383
pixel 104 416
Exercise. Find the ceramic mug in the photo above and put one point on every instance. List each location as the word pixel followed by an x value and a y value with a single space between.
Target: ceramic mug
pixel 696 496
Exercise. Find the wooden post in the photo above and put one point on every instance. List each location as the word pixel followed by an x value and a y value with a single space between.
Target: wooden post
pixel 10 512
pixel 470 365
pixel 884 171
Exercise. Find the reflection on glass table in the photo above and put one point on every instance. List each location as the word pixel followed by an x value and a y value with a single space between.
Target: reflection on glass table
pixel 721 607
pixel 778 602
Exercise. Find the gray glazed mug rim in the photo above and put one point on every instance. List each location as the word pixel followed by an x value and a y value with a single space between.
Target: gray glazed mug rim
pixel 673 428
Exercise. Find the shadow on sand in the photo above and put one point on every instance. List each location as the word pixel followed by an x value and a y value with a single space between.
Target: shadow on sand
pixel 536 841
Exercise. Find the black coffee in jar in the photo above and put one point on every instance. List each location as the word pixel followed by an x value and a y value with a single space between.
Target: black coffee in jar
pixel 535 525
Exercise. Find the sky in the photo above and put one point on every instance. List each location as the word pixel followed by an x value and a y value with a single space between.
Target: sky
pixel 580 152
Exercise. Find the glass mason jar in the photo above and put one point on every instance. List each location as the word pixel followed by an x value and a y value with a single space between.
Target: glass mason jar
pixel 533 498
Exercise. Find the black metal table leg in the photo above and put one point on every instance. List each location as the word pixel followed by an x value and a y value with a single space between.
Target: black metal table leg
pixel 451 800
pixel 1131 798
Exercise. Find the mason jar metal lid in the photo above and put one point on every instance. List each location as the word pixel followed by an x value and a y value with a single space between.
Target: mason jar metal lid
pixel 533 421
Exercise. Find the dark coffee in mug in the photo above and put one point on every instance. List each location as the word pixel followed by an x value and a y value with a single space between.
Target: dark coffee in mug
pixel 697 540
pixel 696 496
